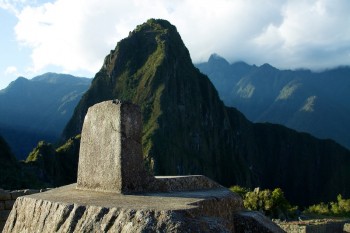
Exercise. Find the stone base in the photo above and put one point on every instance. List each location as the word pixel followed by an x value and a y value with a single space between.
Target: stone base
pixel 67 209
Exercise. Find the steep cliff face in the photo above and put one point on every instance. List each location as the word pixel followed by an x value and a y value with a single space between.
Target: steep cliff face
pixel 188 130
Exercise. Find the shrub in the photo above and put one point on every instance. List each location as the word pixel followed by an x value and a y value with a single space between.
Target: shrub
pixel 272 203
pixel 322 209
pixel 340 208
pixel 241 191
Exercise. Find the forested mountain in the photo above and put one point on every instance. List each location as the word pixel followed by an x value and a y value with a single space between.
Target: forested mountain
pixel 188 129
pixel 38 109
pixel 313 102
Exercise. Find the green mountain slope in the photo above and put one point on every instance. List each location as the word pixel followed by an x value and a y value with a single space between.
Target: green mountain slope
pixel 188 130
pixel 313 102
pixel 38 109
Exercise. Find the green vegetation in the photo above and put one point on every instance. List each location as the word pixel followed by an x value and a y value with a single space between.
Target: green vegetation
pixel 340 208
pixel 54 167
pixel 42 148
pixel 272 203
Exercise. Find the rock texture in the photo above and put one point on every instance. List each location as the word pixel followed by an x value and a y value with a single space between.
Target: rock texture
pixel 112 129
pixel 67 209
pixel 8 198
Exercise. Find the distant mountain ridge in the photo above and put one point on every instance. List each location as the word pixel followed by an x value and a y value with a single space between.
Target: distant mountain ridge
pixel 313 102
pixel 38 109
pixel 188 130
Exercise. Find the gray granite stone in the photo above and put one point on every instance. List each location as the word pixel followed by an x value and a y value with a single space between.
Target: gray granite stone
pixel 110 157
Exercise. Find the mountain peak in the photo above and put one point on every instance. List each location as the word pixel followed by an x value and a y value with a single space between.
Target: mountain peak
pixel 267 66
pixel 154 25
pixel 215 58
pixel 155 37
pixel 20 82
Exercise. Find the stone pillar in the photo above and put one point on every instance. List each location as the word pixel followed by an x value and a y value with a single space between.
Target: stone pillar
pixel 110 158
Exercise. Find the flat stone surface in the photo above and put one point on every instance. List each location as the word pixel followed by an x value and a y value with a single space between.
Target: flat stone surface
pixel 154 201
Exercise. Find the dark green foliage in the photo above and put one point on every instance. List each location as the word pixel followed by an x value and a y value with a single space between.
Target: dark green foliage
pixel 241 191
pixel 340 208
pixel 44 167
pixel 67 156
pixel 9 167
pixel 54 167
pixel 272 203
pixel 38 109
pixel 12 176
pixel 188 130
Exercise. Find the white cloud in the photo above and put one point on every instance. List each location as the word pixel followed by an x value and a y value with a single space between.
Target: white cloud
pixel 77 34
pixel 11 70
pixel 15 6
pixel 313 34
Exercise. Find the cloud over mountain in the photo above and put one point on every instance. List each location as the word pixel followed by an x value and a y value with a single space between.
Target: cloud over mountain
pixel 75 35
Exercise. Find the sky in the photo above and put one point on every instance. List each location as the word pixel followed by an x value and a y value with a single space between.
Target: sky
pixel 74 36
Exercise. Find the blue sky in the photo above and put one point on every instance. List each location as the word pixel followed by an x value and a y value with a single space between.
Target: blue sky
pixel 73 36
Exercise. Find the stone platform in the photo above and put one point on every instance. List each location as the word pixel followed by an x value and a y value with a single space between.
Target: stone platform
pixel 67 209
